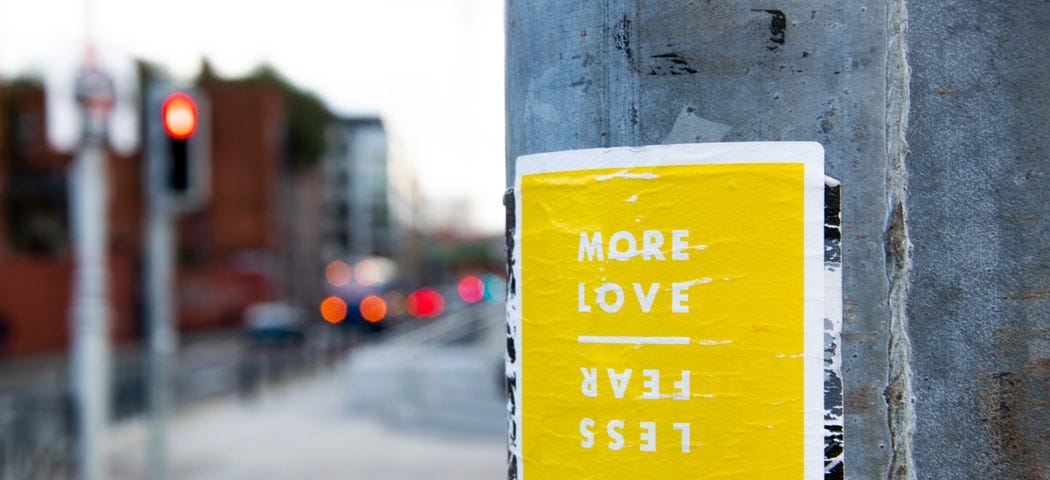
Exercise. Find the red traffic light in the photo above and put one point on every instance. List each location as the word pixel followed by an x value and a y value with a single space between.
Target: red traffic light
pixel 179 113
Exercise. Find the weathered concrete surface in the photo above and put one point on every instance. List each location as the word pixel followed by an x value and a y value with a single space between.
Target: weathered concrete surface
pixel 979 201
pixel 593 74
pixel 944 248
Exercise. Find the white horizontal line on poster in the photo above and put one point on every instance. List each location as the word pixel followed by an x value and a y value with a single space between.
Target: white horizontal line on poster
pixel 633 340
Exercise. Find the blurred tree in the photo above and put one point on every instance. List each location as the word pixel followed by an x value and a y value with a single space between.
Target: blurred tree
pixel 149 72
pixel 308 117
pixel 207 73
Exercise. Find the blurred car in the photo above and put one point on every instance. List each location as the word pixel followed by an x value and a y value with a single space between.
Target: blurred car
pixel 274 322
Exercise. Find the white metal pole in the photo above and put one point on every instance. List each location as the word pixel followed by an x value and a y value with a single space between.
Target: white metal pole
pixel 90 308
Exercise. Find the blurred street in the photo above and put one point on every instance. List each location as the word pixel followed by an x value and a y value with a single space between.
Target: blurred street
pixel 305 429
pixel 425 402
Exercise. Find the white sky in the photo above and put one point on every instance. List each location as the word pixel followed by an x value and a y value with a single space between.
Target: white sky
pixel 432 68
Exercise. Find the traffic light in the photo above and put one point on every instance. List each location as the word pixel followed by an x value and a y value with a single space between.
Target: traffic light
pixel 178 147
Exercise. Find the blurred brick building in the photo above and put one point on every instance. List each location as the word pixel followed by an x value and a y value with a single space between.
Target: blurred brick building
pixel 36 262
pixel 231 253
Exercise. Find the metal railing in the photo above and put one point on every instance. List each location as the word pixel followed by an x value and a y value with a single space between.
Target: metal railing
pixel 37 427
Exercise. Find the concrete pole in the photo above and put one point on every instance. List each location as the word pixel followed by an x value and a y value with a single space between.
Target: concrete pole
pixel 934 121
pixel 90 359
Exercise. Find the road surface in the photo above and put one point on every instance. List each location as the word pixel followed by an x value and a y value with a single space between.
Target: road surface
pixel 305 430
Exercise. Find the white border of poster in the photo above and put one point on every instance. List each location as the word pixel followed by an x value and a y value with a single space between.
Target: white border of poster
pixel 810 154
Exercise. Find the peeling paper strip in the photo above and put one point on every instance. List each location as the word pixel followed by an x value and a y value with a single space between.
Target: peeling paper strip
pixel 714 342
pixel 625 174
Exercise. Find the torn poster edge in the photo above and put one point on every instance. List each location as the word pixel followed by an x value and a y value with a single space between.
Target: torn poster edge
pixel 834 453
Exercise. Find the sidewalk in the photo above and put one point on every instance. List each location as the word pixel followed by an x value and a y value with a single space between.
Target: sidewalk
pixel 303 430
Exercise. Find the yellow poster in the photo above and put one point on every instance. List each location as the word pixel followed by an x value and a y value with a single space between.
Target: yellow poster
pixel 667 317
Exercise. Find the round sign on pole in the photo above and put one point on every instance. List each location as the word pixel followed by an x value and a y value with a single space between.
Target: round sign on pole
pixel 94 87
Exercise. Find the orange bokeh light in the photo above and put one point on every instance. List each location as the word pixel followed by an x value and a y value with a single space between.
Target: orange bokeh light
pixel 179 113
pixel 333 309
pixel 337 273
pixel 373 309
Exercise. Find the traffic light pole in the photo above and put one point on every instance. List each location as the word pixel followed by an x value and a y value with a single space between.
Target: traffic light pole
pixel 175 182
pixel 160 285
pixel 163 338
